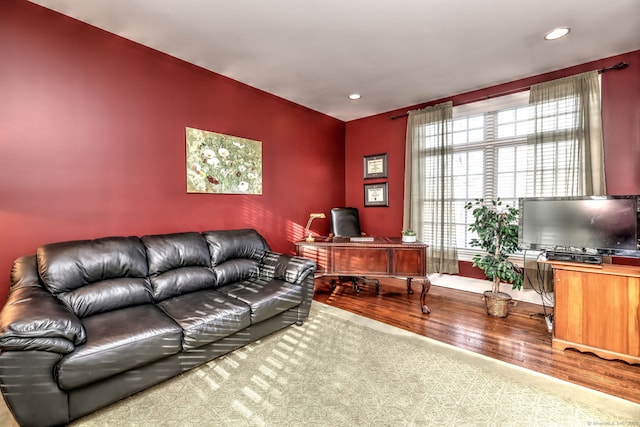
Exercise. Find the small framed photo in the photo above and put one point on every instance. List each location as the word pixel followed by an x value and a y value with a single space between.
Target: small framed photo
pixel 376 194
pixel 376 166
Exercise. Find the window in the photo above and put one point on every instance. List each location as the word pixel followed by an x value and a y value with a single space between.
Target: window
pixel 493 159
pixel 543 142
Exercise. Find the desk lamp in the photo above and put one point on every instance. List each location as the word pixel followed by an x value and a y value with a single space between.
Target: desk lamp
pixel 307 232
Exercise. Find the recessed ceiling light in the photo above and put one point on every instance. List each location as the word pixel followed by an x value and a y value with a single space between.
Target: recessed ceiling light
pixel 557 33
pixel 354 96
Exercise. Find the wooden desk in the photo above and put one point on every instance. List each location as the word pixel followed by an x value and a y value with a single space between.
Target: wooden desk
pixel 382 257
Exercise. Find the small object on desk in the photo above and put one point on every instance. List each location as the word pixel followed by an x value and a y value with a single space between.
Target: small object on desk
pixel 361 239
pixel 408 235
pixel 307 230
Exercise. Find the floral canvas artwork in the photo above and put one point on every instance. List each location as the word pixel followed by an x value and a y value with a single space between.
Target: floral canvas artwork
pixel 218 163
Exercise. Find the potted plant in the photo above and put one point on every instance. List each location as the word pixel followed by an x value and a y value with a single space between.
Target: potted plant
pixel 496 227
pixel 408 235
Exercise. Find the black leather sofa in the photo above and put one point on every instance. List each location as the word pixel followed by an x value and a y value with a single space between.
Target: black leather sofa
pixel 90 322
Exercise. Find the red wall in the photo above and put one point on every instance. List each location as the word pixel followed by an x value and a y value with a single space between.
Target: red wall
pixel 379 134
pixel 92 142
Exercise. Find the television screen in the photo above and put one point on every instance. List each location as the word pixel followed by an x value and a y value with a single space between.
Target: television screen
pixel 597 224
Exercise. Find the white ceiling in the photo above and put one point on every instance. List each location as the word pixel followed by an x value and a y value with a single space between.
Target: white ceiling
pixel 395 53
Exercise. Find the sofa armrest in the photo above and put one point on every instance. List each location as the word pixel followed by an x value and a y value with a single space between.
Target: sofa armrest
pixel 33 319
pixel 292 269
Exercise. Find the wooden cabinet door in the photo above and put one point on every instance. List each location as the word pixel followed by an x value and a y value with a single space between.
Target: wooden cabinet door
pixel 410 262
pixel 598 310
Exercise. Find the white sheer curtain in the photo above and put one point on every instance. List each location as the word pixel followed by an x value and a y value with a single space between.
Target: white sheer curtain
pixel 428 198
pixel 566 155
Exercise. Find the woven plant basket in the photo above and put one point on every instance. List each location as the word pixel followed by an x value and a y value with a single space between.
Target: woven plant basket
pixel 497 304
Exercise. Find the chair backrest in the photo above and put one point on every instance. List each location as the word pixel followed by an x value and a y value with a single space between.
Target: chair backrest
pixel 345 222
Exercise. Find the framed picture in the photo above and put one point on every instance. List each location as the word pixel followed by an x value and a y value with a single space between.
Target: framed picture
pixel 376 194
pixel 224 164
pixel 376 166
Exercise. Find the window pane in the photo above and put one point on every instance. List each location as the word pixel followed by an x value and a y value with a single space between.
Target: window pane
pixel 461 236
pixel 548 124
pixel 460 212
pixel 521 158
pixel 565 121
pixel 459 125
pixel 506 159
pixel 460 138
pixel 475 187
pixel 431 130
pixel 476 162
pixel 460 187
pixel 506 116
pixel 566 105
pixel 476 135
pixel 431 141
pixel 476 122
pixel 460 164
pixel 521 185
pixel 549 109
pixel 506 185
pixel 524 113
pixel 524 128
pixel 506 131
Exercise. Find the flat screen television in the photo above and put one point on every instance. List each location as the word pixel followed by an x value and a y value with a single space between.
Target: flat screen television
pixel 591 226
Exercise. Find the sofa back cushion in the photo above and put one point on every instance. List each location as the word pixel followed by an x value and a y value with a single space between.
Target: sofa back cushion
pixel 235 254
pixel 24 272
pixel 95 276
pixel 178 263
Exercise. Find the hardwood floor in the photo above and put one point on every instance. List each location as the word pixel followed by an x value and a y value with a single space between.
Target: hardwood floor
pixel 459 318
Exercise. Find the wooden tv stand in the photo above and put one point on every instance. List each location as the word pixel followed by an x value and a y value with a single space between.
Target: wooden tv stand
pixel 597 309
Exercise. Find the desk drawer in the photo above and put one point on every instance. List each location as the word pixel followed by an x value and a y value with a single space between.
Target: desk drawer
pixel 410 262
pixel 360 261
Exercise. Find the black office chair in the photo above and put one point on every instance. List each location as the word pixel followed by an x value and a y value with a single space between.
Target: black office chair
pixel 345 222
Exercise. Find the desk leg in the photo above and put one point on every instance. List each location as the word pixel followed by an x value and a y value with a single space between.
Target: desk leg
pixel 426 285
pixel 409 289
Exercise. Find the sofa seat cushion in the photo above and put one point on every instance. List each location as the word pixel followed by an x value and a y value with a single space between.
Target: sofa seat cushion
pixel 206 316
pixel 118 341
pixel 267 298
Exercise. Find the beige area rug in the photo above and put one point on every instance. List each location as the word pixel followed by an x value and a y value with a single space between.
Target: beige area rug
pixel 341 369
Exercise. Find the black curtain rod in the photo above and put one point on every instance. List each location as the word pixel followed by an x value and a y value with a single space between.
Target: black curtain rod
pixel 618 66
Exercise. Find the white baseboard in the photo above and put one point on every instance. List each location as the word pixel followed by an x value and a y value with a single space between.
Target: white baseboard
pixel 478 286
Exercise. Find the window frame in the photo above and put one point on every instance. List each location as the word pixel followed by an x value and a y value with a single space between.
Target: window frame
pixel 490 145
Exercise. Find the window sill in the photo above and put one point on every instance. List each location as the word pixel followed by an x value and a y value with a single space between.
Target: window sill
pixel 478 286
pixel 466 254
